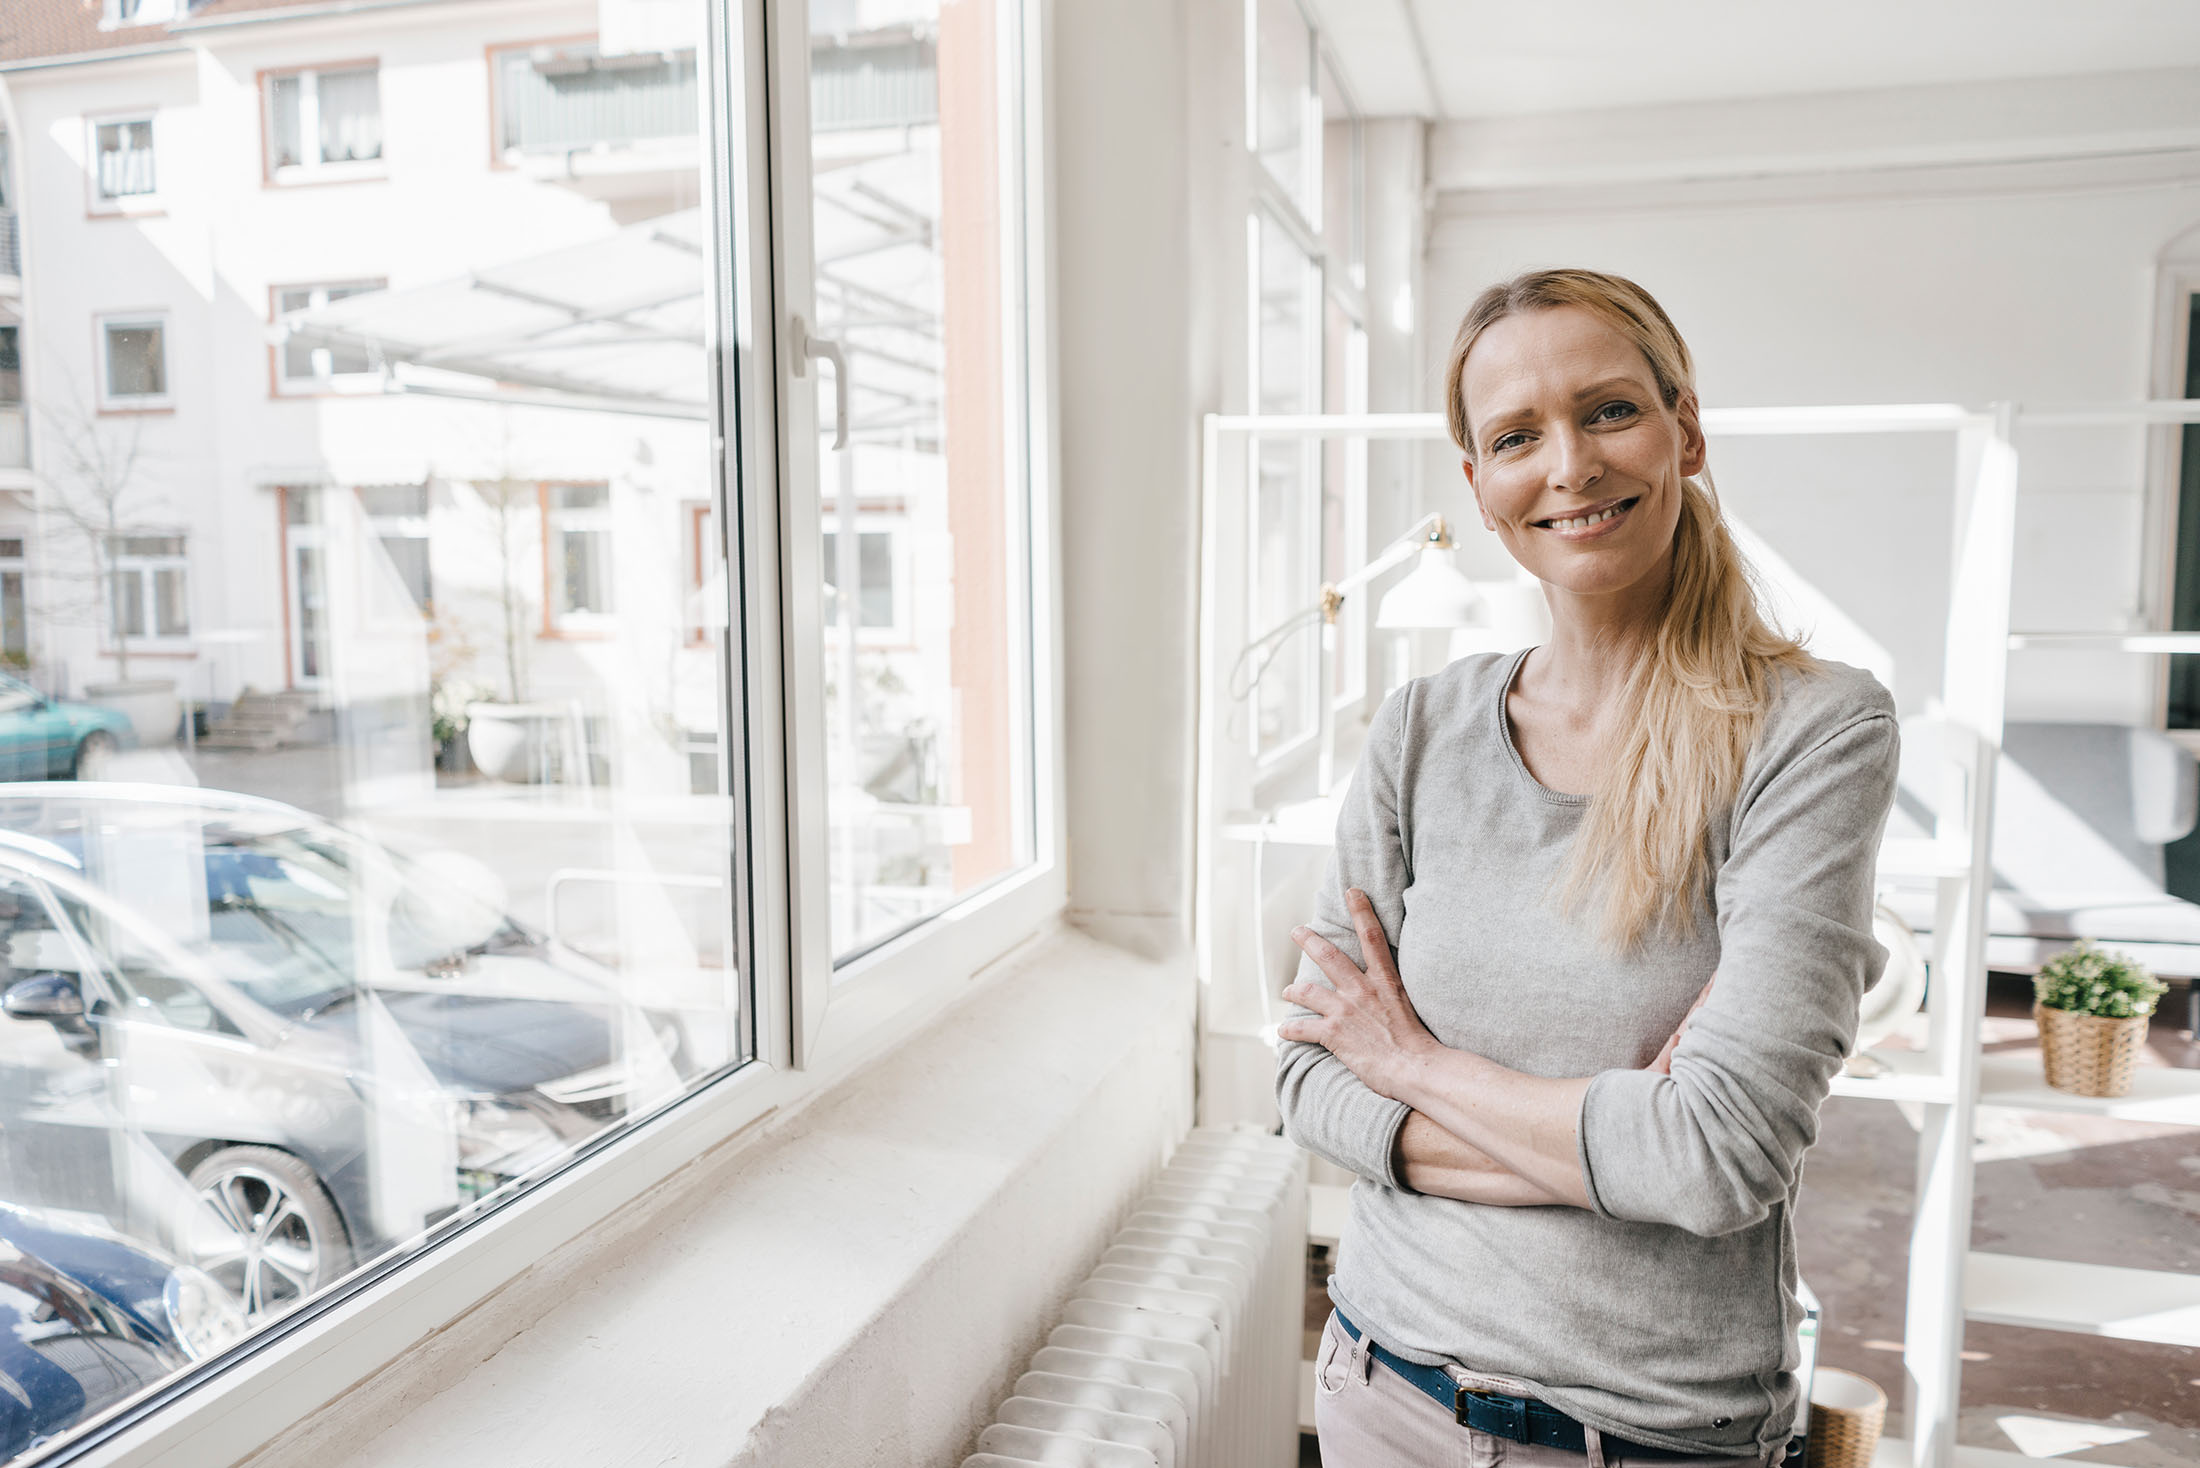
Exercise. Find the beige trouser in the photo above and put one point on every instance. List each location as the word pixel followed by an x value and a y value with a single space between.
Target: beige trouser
pixel 1369 1416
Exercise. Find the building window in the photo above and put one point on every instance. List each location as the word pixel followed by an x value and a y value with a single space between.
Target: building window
pixel 397 514
pixel 123 174
pixel 15 629
pixel 13 444
pixel 306 363
pixel 881 584
pixel 324 122
pixel 554 99
pixel 577 547
pixel 134 363
pixel 149 588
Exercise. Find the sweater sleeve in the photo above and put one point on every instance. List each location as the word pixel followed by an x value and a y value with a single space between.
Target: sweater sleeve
pixel 1717 1144
pixel 1326 1108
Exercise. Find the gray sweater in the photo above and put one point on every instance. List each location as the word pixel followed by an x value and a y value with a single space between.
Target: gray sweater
pixel 1668 1314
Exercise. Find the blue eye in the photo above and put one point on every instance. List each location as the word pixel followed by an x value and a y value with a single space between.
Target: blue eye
pixel 1506 441
pixel 1605 414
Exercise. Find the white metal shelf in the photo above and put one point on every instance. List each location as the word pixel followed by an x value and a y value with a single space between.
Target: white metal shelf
pixel 1895 1452
pixel 2157 1093
pixel 2089 1299
pixel 1909 1076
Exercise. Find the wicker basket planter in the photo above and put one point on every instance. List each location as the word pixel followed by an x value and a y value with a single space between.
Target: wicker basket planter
pixel 2086 1054
pixel 1846 1413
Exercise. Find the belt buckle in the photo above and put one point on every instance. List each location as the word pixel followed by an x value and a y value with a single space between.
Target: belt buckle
pixel 1508 1416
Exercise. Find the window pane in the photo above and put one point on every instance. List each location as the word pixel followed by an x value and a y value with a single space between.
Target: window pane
pixel 927 723
pixel 15 642
pixel 438 891
pixel 351 115
pixel 1282 52
pixel 171 607
pixel 125 161
pixel 1286 528
pixel 282 122
pixel 135 365
pixel 129 602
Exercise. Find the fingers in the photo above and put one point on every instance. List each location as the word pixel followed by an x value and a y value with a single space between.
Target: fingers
pixel 1318 997
pixel 1374 942
pixel 1328 957
pixel 1302 1031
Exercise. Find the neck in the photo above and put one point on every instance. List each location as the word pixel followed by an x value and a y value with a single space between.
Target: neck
pixel 1594 638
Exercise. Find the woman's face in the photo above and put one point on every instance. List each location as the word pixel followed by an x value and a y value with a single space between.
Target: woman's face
pixel 1579 463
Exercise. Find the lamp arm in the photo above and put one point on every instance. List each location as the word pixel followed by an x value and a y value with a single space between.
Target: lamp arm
pixel 1429 530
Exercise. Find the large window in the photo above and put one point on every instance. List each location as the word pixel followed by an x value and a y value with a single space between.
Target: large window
pixel 1307 349
pixel 149 579
pixel 927 735
pixel 324 123
pixel 472 721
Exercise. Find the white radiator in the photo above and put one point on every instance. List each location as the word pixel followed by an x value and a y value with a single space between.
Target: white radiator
pixel 1182 1349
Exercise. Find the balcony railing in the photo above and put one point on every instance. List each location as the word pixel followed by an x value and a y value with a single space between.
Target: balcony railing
pixel 11 244
pixel 567 100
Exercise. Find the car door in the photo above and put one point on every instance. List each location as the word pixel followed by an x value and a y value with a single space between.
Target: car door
pixel 22 737
pixel 59 1126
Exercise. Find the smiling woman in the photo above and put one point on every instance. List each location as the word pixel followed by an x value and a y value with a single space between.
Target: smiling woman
pixel 1627 876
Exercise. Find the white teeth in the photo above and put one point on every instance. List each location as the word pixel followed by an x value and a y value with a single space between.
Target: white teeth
pixel 1585 521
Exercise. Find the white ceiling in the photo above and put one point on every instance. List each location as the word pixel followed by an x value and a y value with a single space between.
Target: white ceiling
pixel 1493 58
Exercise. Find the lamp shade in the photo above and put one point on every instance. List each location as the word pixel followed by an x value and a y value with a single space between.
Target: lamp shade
pixel 1433 594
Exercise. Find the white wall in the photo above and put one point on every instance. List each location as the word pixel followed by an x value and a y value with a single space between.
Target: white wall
pixel 1962 244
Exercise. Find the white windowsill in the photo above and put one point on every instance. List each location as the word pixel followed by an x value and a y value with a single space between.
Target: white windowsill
pixel 865 1273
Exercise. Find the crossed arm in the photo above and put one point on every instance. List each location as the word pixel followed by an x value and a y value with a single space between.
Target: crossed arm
pixel 1477 1132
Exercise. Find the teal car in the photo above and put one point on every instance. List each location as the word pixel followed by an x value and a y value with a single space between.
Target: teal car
pixel 43 738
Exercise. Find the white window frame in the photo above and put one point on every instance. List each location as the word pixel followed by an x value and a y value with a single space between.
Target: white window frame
pixel 97 200
pixel 146 568
pixel 317 296
pixel 312 168
pixel 222 1412
pixel 110 322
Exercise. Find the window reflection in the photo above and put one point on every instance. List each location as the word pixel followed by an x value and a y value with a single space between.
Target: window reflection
pixel 364 729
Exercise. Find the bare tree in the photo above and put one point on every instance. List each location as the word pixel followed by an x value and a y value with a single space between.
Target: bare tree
pixel 95 468
pixel 510 501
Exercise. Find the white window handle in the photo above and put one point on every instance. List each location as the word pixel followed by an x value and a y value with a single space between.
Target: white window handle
pixel 809 348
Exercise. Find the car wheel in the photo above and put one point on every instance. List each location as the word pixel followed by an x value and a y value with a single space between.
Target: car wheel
pixel 93 752
pixel 275 1235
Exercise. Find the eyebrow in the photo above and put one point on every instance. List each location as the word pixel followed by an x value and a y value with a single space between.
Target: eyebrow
pixel 1594 389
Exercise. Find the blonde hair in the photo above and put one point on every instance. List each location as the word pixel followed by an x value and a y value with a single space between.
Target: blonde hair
pixel 1701 679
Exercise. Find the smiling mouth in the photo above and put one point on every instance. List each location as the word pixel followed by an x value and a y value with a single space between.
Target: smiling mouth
pixel 1587 518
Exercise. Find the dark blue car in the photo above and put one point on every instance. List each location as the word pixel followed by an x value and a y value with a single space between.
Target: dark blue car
pixel 87 1319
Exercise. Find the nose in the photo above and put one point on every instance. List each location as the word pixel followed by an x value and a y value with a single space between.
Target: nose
pixel 1575 463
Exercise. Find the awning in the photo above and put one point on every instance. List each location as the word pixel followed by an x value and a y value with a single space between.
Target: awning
pixel 615 323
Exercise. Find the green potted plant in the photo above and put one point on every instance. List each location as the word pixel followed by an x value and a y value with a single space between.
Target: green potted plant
pixel 2092 1007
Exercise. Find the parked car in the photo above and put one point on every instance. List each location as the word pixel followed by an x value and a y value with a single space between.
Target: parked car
pixel 44 738
pixel 278 1047
pixel 88 1318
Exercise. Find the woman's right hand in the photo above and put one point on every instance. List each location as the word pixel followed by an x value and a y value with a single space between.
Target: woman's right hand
pixel 1663 1065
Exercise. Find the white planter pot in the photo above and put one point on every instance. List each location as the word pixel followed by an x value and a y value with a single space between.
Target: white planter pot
pixel 150 704
pixel 518 743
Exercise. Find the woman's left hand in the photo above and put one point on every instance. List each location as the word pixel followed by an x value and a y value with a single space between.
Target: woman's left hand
pixel 1366 1021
